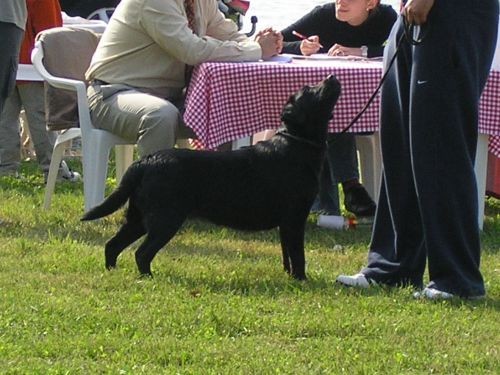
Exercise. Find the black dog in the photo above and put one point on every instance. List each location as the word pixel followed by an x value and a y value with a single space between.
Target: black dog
pixel 271 184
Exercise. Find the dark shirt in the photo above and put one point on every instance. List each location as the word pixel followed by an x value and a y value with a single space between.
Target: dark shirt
pixel 321 21
pixel 83 8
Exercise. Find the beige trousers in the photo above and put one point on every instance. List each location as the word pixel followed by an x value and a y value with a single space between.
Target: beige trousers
pixel 143 118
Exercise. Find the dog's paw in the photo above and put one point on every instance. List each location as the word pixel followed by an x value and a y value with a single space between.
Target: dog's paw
pixel 300 277
pixel 110 265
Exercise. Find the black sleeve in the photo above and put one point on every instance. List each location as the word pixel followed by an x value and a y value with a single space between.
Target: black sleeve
pixel 381 30
pixel 375 51
pixel 304 26
pixel 291 47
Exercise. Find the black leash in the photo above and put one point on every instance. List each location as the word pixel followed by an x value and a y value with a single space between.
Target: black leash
pixel 407 34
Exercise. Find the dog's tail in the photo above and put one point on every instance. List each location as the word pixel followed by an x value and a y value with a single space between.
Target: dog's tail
pixel 119 196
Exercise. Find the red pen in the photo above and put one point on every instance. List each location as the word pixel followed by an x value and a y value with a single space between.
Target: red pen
pixel 302 36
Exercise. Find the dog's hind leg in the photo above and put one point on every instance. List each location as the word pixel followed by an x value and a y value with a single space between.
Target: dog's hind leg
pixel 292 244
pixel 129 232
pixel 160 231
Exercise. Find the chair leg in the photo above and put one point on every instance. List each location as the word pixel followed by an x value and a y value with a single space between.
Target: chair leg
pixel 371 162
pixel 55 162
pixel 242 142
pixel 183 143
pixel 480 168
pixel 124 156
pixel 95 169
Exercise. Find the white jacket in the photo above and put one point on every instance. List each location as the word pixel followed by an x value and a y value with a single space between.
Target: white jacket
pixel 147 43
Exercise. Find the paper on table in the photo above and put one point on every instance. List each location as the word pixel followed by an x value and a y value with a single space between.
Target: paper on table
pixel 324 56
pixel 280 59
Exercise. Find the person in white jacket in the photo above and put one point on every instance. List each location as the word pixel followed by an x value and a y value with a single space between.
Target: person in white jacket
pixel 141 63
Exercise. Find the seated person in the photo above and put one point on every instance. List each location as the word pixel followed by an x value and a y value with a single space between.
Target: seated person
pixel 141 64
pixel 355 27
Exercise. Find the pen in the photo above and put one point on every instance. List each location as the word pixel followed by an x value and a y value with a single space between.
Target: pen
pixel 302 36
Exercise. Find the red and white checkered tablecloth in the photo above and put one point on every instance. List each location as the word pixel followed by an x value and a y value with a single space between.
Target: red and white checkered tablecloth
pixel 489 112
pixel 228 101
pixel 494 146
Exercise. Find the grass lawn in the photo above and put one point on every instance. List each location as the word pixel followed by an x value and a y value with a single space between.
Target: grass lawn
pixel 219 302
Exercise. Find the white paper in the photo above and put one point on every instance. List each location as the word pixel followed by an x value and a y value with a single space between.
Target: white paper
pixel 280 59
pixel 324 56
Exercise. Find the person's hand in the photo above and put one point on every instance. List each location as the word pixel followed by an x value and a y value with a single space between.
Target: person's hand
pixel 416 11
pixel 280 42
pixel 263 31
pixel 338 50
pixel 270 41
pixel 310 45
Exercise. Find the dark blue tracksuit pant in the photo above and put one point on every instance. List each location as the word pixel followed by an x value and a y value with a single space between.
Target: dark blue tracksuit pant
pixel 427 208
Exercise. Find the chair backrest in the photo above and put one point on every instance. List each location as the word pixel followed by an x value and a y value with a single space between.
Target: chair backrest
pixel 67 53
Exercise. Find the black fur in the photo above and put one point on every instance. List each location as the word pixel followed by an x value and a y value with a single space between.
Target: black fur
pixel 271 184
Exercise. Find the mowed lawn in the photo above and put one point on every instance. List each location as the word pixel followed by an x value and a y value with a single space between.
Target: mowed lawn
pixel 219 302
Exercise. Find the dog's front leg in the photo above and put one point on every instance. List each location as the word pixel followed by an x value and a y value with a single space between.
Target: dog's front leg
pixel 286 260
pixel 292 245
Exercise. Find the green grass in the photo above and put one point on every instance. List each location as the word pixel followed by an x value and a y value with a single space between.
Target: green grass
pixel 219 302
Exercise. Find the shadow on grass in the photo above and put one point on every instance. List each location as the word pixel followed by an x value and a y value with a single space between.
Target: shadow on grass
pixel 282 286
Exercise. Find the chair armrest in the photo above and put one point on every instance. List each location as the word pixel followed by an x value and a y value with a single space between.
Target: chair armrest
pixel 63 83
pixel 59 82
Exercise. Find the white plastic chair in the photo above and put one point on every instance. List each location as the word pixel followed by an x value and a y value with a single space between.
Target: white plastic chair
pixel 370 160
pixel 103 14
pixel 96 143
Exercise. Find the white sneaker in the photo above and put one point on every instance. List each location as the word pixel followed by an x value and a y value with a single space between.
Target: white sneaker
pixel 358 281
pixel 433 294
pixel 66 174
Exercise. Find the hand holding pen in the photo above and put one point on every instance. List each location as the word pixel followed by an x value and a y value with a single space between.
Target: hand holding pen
pixel 309 45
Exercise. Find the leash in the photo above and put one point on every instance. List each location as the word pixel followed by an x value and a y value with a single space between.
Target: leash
pixel 408 30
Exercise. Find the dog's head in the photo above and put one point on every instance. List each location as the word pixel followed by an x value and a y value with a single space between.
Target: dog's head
pixel 306 114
